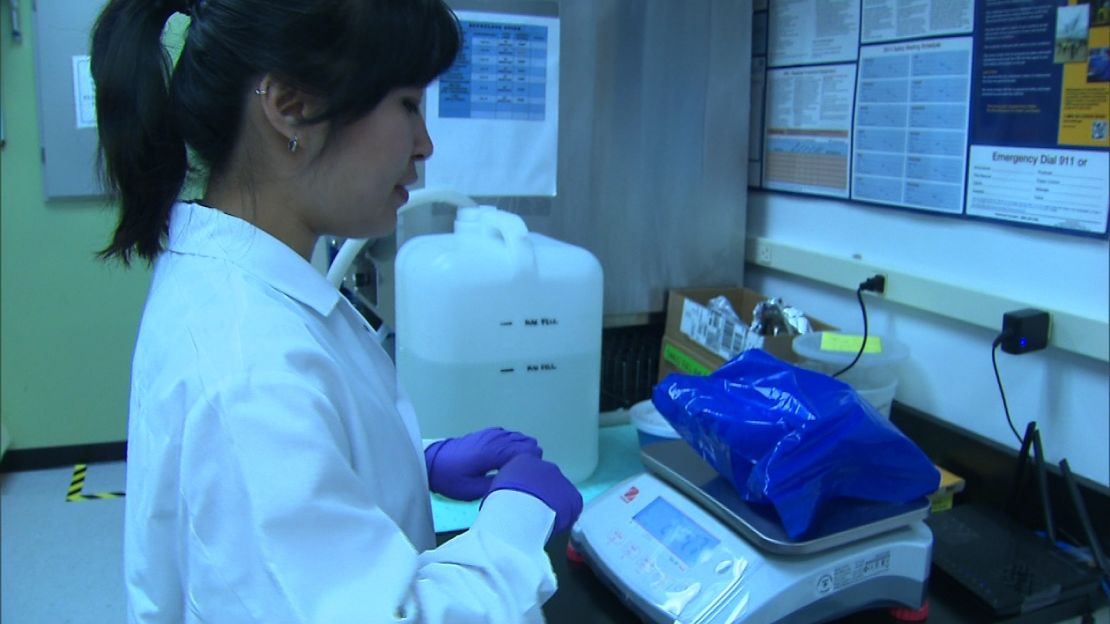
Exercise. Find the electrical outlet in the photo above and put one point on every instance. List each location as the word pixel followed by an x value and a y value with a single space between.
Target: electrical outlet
pixel 763 253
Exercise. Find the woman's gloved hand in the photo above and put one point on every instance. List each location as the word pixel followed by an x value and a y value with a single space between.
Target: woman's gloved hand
pixel 544 480
pixel 457 467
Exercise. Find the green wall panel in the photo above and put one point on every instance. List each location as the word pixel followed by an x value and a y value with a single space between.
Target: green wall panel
pixel 68 320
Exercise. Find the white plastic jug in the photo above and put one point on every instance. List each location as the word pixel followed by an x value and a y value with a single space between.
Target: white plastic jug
pixel 499 326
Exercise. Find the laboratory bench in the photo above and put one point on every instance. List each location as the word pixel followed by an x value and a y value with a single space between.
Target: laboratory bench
pixel 584 598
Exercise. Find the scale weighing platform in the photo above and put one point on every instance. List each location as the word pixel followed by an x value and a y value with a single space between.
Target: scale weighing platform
pixel 678 544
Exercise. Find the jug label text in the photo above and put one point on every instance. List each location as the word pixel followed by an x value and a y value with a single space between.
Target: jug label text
pixel 541 322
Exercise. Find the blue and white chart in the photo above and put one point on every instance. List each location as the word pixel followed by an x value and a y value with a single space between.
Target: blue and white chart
pixel 501 74
pixel 493 116
pixel 911 124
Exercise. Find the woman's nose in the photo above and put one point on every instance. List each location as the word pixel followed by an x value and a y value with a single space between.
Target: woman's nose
pixel 422 149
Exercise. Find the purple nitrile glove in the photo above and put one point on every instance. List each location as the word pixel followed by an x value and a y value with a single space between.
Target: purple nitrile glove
pixel 458 467
pixel 544 480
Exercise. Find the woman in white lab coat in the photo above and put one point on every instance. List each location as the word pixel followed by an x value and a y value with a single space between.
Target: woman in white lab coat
pixel 275 470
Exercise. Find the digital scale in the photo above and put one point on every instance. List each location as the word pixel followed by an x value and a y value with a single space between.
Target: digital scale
pixel 678 544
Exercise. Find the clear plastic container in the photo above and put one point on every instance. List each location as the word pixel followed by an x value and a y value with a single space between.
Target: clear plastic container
pixel 874 377
pixel 650 425
pixel 499 326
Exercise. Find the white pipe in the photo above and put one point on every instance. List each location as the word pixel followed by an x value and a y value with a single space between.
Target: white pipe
pixel 436 196
pixel 343 260
pixel 352 247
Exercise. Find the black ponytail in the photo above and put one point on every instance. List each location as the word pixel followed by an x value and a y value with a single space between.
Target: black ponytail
pixel 350 53
pixel 142 155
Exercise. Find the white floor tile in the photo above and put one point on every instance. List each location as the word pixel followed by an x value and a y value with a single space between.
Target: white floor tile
pixel 61 561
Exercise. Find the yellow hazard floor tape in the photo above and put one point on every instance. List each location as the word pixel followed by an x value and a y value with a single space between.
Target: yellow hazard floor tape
pixel 78 483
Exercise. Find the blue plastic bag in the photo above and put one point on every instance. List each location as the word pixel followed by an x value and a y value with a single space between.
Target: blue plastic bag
pixel 793 438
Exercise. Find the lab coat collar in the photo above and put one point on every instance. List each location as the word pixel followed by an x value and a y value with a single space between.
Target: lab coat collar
pixel 203 231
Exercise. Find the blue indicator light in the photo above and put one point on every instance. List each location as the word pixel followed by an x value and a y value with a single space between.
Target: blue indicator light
pixel 1023 341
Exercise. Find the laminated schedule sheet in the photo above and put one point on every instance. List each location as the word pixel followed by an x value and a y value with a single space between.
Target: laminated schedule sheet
pixel 493 115
pixel 911 124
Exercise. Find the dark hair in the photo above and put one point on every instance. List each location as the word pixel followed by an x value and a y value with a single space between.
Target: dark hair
pixel 350 53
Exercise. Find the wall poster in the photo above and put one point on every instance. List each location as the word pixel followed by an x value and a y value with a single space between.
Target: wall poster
pixel 984 109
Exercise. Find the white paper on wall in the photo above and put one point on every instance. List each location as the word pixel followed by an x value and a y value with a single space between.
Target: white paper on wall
pixel 494 116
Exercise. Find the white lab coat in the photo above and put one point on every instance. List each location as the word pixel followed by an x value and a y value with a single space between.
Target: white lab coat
pixel 275 472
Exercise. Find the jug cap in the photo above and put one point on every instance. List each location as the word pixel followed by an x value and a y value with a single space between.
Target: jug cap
pixel 468 219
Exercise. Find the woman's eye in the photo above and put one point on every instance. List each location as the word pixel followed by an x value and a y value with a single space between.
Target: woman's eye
pixel 412 106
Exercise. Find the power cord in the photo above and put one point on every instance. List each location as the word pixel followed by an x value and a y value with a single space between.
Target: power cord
pixel 998 378
pixel 875 283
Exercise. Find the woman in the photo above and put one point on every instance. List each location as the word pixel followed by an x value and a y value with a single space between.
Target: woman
pixel 275 470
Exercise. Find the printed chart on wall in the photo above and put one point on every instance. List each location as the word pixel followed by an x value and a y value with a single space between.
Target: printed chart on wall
pixel 983 109
pixel 808 110
pixel 494 114
pixel 1040 110
pixel 808 129
pixel 911 124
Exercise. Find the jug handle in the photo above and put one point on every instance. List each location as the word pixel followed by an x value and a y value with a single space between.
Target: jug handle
pixel 514 232
pixel 511 227
pixel 353 246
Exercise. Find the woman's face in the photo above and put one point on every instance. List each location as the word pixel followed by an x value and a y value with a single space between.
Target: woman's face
pixel 358 182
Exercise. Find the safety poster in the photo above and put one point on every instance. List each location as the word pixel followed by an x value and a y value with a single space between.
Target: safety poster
pixel 985 109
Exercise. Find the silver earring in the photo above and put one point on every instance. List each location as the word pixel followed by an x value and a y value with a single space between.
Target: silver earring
pixel 293 144
pixel 260 92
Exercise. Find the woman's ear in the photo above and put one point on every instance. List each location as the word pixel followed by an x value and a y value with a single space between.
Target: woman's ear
pixel 286 108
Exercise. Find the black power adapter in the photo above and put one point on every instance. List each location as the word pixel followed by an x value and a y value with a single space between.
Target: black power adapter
pixel 876 283
pixel 1024 331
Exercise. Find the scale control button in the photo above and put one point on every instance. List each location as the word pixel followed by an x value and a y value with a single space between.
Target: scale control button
pixel 723 566
pixel 651 574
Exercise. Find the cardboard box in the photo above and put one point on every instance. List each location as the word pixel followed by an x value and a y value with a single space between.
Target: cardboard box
pixel 697 340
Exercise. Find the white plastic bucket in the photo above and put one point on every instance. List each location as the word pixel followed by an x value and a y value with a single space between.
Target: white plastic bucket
pixel 878 393
pixel 874 377
pixel 499 326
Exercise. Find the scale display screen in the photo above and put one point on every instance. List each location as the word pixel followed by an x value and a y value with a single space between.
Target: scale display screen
pixel 677 532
